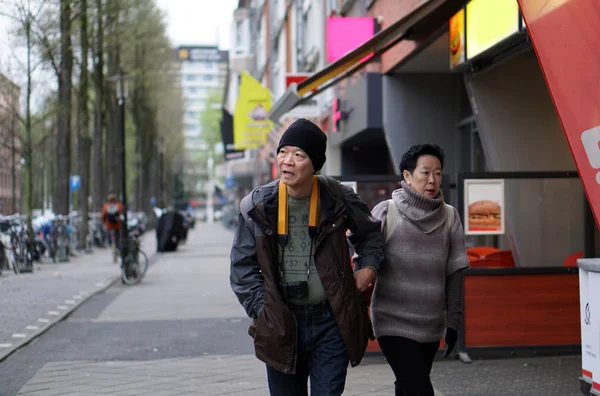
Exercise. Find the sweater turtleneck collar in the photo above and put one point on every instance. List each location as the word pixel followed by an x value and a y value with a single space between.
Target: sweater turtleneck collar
pixel 427 214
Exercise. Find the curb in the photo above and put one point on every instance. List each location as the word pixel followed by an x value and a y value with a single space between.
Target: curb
pixel 85 296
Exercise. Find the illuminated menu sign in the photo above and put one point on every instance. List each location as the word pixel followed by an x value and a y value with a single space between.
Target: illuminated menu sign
pixel 488 23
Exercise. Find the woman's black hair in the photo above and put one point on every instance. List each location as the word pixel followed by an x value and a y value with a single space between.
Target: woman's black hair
pixel 409 159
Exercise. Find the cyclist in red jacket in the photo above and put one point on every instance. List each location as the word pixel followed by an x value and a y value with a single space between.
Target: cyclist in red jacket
pixel 111 217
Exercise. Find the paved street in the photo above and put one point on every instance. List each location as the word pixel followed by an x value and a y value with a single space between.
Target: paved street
pixel 31 303
pixel 182 332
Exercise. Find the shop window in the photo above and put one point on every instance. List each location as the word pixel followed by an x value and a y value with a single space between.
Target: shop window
pixel 534 236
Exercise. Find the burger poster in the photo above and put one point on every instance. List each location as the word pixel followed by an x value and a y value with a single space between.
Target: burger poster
pixel 457 38
pixel 484 206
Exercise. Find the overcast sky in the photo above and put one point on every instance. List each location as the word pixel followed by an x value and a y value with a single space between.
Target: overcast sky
pixel 189 22
pixel 199 21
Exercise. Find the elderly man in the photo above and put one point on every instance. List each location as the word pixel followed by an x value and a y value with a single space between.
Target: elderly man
pixel 290 269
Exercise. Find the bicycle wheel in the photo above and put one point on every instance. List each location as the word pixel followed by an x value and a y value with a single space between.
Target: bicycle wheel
pixel 135 269
pixel 23 258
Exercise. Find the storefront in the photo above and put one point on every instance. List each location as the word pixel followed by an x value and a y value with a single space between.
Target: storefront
pixel 474 86
pixel 486 102
pixel 356 142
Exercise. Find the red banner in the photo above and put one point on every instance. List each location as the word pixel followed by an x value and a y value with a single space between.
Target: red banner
pixel 565 37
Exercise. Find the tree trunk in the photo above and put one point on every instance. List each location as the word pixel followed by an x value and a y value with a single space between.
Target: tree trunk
pixel 28 145
pixel 13 167
pixel 98 169
pixel 84 145
pixel 63 135
pixel 113 136
pixel 139 182
pixel 84 140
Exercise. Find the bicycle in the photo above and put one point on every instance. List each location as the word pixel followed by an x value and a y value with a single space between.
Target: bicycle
pixel 135 263
pixel 21 251
pixel 62 238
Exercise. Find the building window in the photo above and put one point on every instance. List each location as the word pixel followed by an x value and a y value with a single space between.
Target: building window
pixel 192 128
pixel 208 77
pixel 238 33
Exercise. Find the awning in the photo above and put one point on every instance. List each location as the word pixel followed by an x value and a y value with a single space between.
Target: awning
pixel 419 24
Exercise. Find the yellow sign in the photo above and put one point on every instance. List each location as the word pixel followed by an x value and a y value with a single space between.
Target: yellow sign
pixel 457 38
pixel 489 22
pixel 250 122
pixel 183 54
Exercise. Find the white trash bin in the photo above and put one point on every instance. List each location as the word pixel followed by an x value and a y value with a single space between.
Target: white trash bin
pixel 589 297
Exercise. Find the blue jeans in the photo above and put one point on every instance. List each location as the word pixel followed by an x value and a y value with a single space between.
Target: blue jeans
pixel 322 355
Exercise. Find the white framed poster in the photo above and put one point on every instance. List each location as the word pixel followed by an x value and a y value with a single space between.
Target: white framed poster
pixel 484 206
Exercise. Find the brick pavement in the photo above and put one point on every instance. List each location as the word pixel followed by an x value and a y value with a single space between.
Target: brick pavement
pixel 32 303
pixel 244 375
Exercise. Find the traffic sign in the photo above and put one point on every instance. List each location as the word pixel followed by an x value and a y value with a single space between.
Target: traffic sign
pixel 75 182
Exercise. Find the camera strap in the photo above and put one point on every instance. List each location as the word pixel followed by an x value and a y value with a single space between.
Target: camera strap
pixel 282 212
pixel 282 218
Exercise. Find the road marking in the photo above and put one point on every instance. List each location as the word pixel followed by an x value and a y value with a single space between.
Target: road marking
pixel 63 307
pixel 5 345
pixel 77 297
pixel 43 320
pixel 53 313
pixel 69 302
pixel 100 284
pixel 19 335
pixel 32 327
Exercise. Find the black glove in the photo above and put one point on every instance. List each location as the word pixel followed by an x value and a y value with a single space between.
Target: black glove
pixel 450 339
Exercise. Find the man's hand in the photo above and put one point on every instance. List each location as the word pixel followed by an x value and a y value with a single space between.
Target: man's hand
pixel 363 278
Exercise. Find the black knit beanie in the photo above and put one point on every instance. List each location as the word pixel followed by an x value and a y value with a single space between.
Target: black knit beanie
pixel 309 137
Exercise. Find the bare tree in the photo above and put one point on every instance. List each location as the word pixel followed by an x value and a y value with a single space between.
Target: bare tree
pixel 63 133
pixel 98 169
pixel 22 14
pixel 84 139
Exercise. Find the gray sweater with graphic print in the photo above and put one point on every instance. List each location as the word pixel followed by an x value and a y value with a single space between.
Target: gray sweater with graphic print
pixel 419 284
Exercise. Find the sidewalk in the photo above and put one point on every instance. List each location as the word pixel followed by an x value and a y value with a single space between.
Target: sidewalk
pixel 245 375
pixel 32 303
pixel 195 342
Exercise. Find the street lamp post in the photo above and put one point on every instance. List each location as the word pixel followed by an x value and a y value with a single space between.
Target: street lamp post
pixel 121 91
pixel 161 172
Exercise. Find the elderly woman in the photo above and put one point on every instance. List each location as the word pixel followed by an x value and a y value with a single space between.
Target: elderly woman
pixel 418 291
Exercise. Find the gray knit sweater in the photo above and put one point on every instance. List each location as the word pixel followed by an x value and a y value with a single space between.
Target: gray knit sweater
pixel 420 280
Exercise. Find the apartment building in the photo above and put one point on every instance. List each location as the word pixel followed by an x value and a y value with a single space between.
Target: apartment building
pixel 10 138
pixel 278 42
pixel 203 71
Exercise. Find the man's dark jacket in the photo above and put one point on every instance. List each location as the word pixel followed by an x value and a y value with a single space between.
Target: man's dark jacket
pixel 255 276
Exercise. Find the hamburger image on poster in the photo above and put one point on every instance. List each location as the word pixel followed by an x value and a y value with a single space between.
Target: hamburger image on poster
pixel 484 206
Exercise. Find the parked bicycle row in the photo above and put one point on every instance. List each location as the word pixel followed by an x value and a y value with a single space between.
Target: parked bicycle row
pixel 56 238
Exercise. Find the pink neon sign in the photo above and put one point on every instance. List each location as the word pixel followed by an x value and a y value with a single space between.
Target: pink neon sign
pixel 336 114
pixel 347 34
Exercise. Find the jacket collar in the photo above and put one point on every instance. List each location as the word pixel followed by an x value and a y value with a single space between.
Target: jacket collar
pixel 265 211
